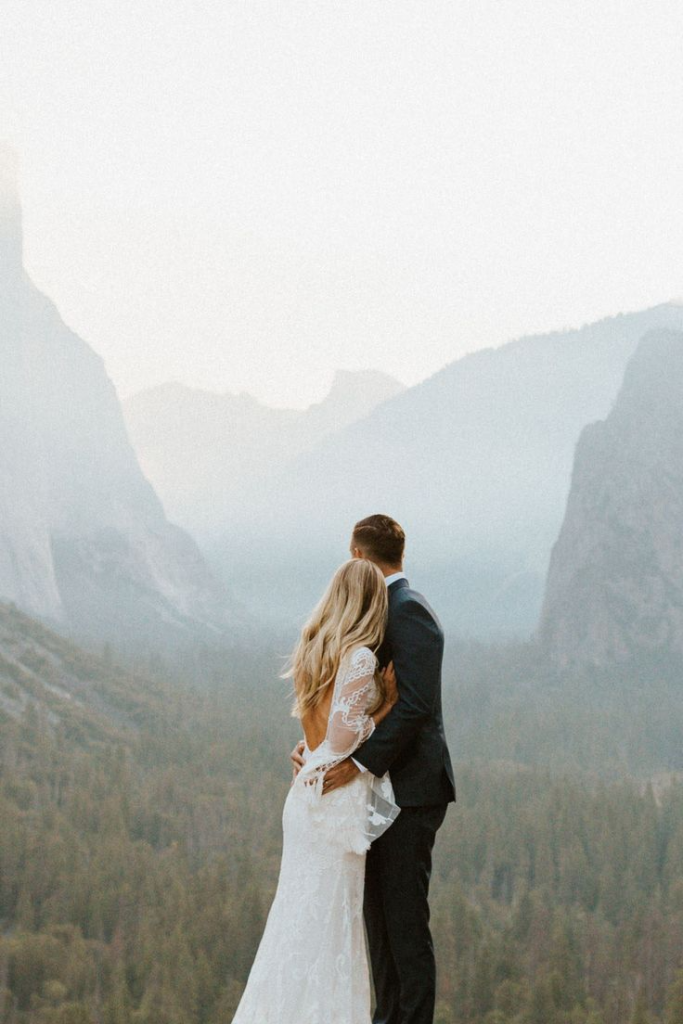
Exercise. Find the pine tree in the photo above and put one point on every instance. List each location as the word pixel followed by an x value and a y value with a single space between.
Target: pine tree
pixel 541 1005
pixel 674 1002
pixel 640 1010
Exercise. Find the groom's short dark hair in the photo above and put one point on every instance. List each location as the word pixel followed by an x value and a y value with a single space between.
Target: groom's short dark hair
pixel 380 538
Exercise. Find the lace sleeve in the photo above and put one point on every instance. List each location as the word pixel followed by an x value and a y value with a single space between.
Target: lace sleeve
pixel 349 725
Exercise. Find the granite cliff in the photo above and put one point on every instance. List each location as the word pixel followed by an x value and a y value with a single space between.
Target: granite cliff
pixel 615 581
pixel 85 543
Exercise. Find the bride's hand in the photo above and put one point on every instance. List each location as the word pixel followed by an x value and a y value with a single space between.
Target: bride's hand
pixel 390 687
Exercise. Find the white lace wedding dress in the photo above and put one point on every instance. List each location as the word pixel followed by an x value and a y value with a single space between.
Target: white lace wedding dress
pixel 311 966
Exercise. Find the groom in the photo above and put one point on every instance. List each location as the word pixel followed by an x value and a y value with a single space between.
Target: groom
pixel 410 743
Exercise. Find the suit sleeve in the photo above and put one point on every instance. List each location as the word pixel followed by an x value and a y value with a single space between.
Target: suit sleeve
pixel 417 651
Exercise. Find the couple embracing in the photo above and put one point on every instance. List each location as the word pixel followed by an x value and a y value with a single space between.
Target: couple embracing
pixel 372 783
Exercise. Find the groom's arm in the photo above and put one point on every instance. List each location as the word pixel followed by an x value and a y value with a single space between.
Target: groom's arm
pixel 417 651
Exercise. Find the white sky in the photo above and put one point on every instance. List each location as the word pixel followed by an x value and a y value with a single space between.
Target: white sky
pixel 245 196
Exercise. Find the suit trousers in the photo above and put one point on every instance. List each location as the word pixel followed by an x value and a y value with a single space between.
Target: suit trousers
pixel 396 909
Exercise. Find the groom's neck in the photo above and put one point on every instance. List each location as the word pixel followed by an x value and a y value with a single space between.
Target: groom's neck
pixel 389 570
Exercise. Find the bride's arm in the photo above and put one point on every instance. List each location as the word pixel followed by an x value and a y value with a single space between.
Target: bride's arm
pixel 349 722
pixel 349 725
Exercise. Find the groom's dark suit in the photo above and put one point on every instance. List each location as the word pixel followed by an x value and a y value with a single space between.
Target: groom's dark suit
pixel 411 744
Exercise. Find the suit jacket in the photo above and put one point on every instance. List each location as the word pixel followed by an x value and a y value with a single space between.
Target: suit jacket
pixel 410 742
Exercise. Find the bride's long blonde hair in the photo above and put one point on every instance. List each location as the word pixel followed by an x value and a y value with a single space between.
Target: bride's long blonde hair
pixel 351 613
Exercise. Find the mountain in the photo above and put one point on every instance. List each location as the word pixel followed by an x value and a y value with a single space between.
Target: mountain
pixel 88 696
pixel 615 581
pixel 84 539
pixel 475 462
pixel 207 453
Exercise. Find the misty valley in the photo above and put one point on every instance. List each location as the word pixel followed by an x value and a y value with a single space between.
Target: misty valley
pixel 157 558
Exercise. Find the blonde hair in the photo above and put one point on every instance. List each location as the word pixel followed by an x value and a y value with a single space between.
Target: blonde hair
pixel 351 613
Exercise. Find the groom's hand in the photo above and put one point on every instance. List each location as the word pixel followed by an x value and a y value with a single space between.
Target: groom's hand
pixel 340 775
pixel 297 758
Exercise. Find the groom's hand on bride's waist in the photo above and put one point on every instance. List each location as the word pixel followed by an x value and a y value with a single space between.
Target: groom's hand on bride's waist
pixel 297 758
pixel 340 775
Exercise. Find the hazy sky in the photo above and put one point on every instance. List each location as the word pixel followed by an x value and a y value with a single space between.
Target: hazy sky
pixel 244 196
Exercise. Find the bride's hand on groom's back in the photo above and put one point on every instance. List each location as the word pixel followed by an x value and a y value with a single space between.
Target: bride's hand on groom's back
pixel 390 685
pixel 390 694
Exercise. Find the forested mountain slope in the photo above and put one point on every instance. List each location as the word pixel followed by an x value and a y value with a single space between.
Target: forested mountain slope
pixel 140 841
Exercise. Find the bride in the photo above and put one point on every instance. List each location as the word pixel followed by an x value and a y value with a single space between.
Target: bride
pixel 311 966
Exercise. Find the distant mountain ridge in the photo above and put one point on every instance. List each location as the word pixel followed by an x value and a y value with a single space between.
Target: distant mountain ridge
pixel 206 452
pixel 475 462
pixel 615 581
pixel 84 540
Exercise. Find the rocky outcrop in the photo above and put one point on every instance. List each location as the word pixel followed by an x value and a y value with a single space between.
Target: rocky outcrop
pixel 615 581
pixel 84 539
pixel 90 695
